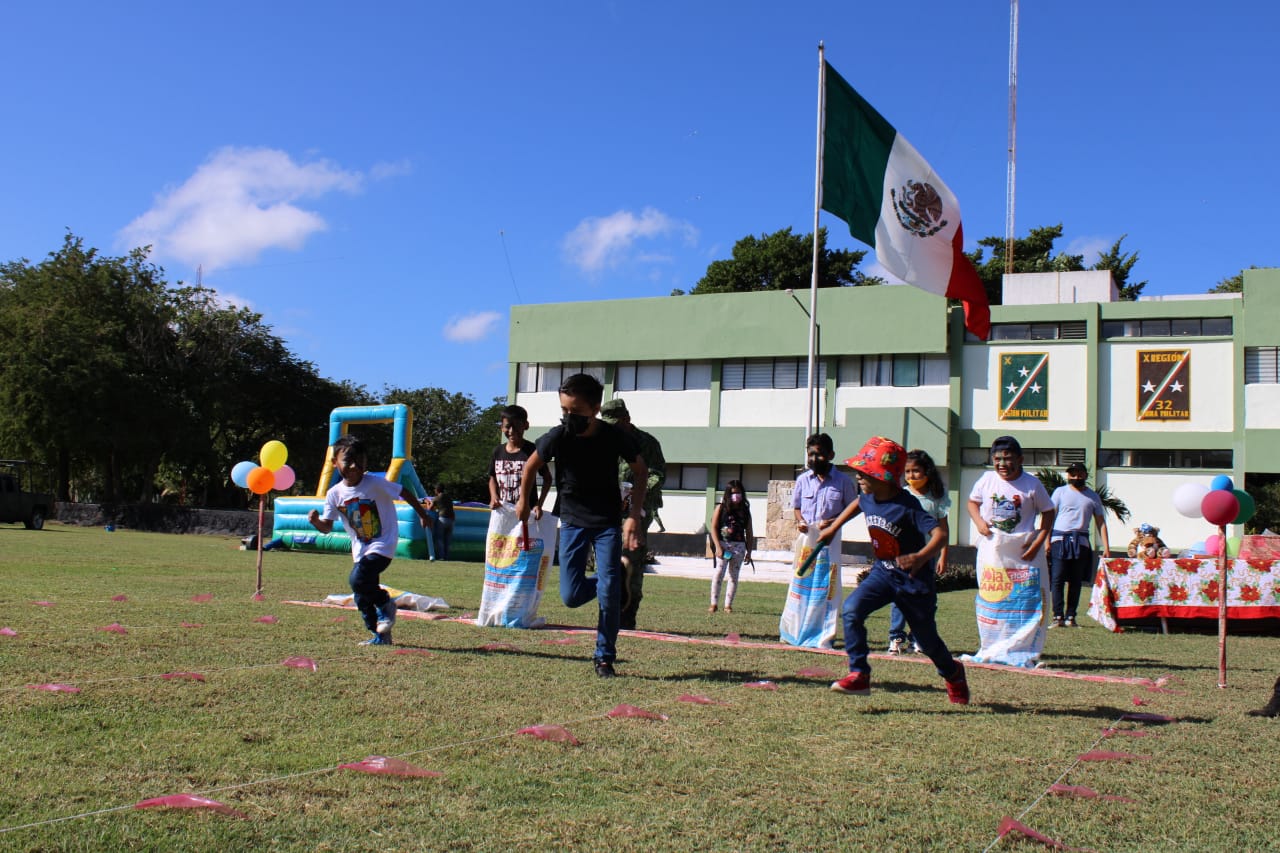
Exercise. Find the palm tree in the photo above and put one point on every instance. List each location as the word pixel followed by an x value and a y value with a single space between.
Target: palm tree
pixel 1051 480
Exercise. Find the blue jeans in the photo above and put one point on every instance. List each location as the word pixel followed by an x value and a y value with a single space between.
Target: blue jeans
pixel 368 595
pixel 576 589
pixel 918 601
pixel 1070 572
pixel 442 537
pixel 898 625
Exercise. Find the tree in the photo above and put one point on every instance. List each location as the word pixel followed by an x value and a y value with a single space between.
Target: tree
pixel 85 363
pixel 127 385
pixel 1120 265
pixel 1231 284
pixel 1033 253
pixel 781 261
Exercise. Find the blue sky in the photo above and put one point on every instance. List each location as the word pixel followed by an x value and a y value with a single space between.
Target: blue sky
pixel 382 181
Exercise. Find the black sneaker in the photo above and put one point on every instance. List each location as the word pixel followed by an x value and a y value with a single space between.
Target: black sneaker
pixel 604 669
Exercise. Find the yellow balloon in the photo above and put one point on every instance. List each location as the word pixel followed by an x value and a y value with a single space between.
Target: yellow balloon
pixel 273 455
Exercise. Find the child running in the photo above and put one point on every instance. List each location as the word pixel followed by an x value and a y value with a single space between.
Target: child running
pixel 586 452
pixel 904 540
pixel 366 506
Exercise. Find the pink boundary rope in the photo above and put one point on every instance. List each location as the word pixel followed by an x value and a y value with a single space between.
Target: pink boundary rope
pixel 681 638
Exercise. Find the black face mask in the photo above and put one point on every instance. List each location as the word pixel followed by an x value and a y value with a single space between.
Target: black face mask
pixel 819 466
pixel 1076 484
pixel 575 424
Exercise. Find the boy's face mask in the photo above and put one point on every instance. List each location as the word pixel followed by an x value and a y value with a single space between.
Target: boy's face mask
pixel 575 424
pixel 818 463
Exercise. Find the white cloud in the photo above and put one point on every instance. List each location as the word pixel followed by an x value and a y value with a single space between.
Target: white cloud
pixel 382 171
pixel 472 327
pixel 604 242
pixel 1090 247
pixel 239 203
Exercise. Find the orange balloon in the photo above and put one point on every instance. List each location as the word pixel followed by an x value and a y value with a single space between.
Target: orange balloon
pixel 261 480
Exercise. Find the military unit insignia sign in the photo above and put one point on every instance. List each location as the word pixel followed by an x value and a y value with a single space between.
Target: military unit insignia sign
pixel 1164 385
pixel 1024 386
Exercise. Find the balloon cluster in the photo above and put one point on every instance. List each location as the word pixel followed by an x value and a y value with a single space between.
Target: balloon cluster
pixel 271 474
pixel 1218 503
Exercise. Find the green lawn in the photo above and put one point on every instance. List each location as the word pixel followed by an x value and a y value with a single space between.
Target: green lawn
pixel 797 768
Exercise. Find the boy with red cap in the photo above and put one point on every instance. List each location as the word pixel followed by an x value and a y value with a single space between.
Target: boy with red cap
pixel 905 541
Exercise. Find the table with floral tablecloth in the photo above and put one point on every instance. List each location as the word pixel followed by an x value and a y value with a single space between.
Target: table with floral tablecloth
pixel 1185 588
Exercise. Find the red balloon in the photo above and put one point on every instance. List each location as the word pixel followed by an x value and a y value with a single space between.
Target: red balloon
pixel 1219 507
pixel 262 479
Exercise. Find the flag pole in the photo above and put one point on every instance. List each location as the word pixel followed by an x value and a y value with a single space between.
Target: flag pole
pixel 811 400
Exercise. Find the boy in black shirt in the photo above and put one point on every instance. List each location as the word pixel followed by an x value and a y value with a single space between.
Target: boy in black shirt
pixel 589 503
pixel 507 466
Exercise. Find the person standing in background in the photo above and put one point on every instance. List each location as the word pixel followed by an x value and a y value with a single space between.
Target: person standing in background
pixel 442 531
pixel 614 412
pixel 1070 557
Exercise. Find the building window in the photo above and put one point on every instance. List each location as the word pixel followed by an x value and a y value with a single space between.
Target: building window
pixel 755 478
pixel 1262 365
pixel 1211 459
pixel 1180 327
pixel 738 374
pixel 1032 457
pixel 899 371
pixel 662 376
pixel 547 377
pixel 685 477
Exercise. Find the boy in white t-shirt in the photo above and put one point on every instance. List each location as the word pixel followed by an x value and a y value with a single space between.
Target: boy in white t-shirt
pixel 1009 499
pixel 368 511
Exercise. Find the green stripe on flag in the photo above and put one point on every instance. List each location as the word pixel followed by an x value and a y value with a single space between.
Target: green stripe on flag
pixel 857 142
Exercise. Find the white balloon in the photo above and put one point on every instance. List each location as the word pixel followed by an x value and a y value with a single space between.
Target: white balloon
pixel 1188 497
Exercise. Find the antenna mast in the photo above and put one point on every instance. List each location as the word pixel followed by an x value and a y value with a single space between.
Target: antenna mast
pixel 1013 136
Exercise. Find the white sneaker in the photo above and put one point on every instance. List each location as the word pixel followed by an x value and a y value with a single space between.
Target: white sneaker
pixel 386 618
pixel 897 646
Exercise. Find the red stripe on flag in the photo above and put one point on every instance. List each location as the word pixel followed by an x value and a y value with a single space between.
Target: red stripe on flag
pixel 967 287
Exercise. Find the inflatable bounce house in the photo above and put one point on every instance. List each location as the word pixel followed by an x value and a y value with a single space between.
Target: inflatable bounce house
pixel 296 533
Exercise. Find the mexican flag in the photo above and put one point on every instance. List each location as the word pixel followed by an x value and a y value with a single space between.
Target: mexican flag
pixel 892 199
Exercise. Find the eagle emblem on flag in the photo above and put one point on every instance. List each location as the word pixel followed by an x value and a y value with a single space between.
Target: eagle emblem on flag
pixel 919 208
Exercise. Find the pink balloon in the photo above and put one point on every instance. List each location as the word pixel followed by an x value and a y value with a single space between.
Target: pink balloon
pixel 284 478
pixel 1220 507
pixel 1213 545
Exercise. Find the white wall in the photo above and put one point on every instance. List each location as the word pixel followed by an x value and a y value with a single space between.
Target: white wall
pixel 764 407
pixel 1069 387
pixel 1261 406
pixel 1212 388
pixel 668 408
pixel 543 407
pixel 888 397
pixel 1149 496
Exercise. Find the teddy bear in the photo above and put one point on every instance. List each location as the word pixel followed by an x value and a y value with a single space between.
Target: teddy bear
pixel 1147 543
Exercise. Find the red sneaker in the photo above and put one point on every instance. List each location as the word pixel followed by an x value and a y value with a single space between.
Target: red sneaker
pixel 958 686
pixel 855 684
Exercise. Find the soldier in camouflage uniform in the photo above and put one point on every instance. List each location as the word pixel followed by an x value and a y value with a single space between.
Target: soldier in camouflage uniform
pixel 633 562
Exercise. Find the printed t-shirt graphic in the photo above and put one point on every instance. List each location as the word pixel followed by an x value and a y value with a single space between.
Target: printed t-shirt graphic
pixel 1006 512
pixel 361 518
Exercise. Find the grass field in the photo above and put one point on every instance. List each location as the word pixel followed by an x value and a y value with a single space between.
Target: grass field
pixel 797 768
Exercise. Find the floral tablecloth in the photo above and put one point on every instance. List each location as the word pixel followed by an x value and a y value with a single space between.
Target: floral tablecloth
pixel 1185 588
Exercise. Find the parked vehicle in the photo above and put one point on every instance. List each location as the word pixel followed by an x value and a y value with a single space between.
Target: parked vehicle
pixel 25 493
